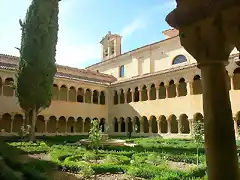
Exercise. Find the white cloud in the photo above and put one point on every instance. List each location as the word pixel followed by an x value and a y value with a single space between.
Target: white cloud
pixel 129 29
pixel 77 55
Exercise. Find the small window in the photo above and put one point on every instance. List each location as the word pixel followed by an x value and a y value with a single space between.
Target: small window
pixel 179 59
pixel 106 53
pixel 121 71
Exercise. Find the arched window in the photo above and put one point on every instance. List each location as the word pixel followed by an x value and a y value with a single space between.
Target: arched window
pixel 102 98
pixel 179 59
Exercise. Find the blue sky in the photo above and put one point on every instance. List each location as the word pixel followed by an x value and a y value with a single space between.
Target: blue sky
pixel 83 23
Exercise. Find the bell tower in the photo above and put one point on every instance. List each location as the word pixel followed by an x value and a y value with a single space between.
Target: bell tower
pixel 111 46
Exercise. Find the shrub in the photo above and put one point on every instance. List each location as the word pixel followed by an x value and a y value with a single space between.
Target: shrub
pixel 111 159
pixel 89 156
pixel 86 171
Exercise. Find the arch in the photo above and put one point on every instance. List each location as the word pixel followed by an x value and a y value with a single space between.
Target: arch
pixel 52 125
pixel 198 117
pixel 63 93
pixel 144 93
pixel 130 125
pixel 95 97
pixel 236 79
pixel 171 89
pixel 184 128
pixel 102 124
pixel 122 97
pixel 40 124
pixel 80 95
pixel 1 84
pixel 153 120
pixel 197 85
pixel 71 125
pixel 88 95
pixel 6 122
pixel 55 92
pixel 174 124
pixel 62 124
pixel 179 59
pixel 72 94
pixel 153 92
pixel 87 124
pixel 137 124
pixel 102 98
pixel 115 124
pixel 136 95
pixel 79 125
pixel 145 124
pixel 182 87
pixel 162 91
pixel 129 95
pixel 8 89
pixel 115 98
pixel 163 124
pixel 17 122
pixel 123 126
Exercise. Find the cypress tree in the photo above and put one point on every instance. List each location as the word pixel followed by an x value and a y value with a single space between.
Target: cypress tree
pixel 37 66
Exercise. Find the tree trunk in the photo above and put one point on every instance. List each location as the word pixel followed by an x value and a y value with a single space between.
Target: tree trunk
pixel 34 119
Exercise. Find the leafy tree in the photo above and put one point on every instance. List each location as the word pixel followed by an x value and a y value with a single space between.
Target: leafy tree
pixel 37 67
pixel 198 134
pixel 95 136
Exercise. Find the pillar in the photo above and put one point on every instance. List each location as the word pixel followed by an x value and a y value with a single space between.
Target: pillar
pixel 208 40
pixel 125 96
pixel 148 93
pixel 45 127
pixel 189 88
pixel 157 92
pixel 133 92
pixel 140 94
pixel 179 126
pixel 67 94
pixel 11 128
pixel 169 126
pixel 141 127
pixel 231 81
pixel 159 127
pixel 119 126
pixel 166 88
pixel 98 98
pixel 177 91
pixel 66 126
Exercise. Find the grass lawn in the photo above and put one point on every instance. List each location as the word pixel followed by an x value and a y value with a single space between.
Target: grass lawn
pixel 60 158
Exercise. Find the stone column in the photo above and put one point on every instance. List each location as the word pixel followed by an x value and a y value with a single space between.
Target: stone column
pixel 166 87
pixel 169 126
pixel 66 127
pixel 191 123
pixel 98 98
pixel 159 127
pixel 205 38
pixel 125 96
pixel 67 94
pixel 12 121
pixel 177 92
pixel 157 92
pixel 132 95
pixel 179 126
pixel 45 127
pixel 119 126
pixel 140 94
pixel 141 127
pixel 118 93
pixel 231 81
pixel 189 88
pixel 148 93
